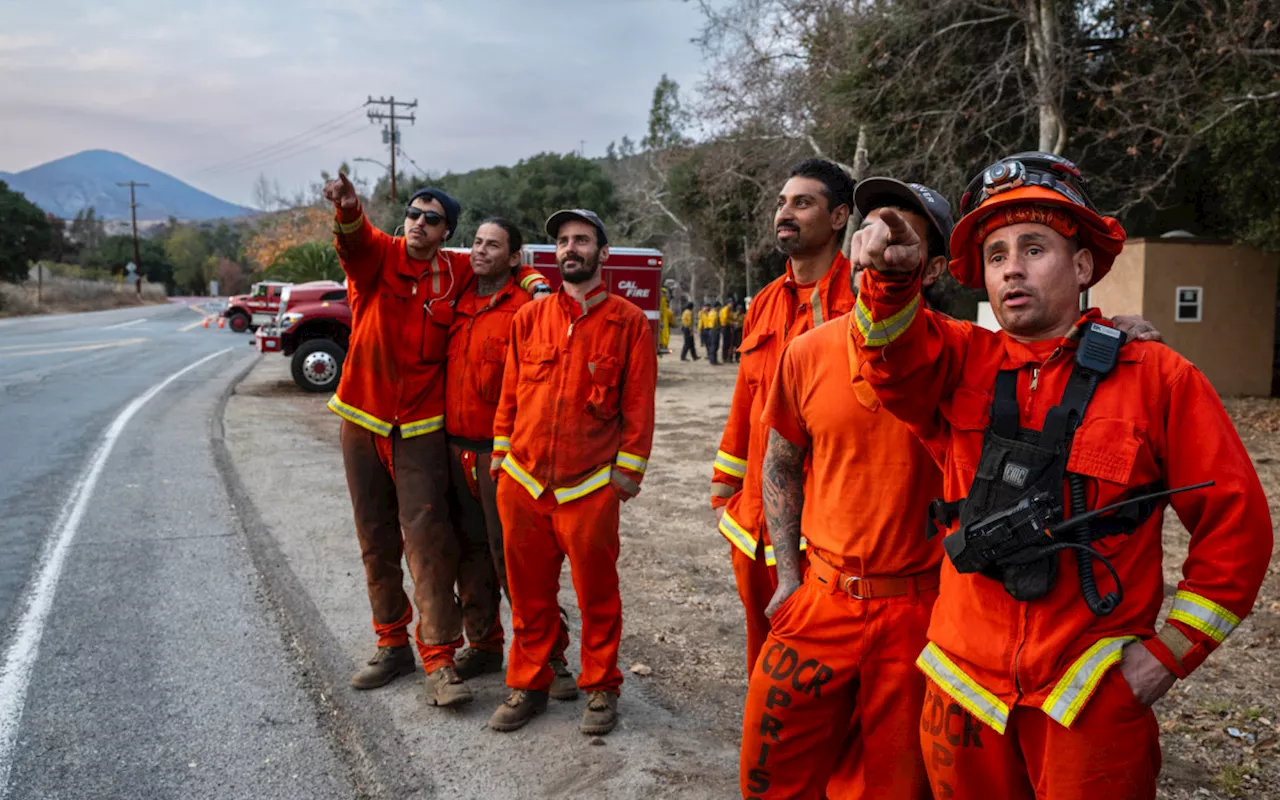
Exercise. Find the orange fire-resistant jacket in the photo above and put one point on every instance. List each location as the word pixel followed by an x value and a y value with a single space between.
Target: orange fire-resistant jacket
pixel 577 396
pixel 1154 418
pixel 478 344
pixel 780 312
pixel 401 312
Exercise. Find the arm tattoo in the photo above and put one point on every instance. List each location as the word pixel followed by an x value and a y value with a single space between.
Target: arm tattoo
pixel 783 492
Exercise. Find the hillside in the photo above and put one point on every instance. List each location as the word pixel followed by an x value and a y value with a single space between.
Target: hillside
pixel 90 178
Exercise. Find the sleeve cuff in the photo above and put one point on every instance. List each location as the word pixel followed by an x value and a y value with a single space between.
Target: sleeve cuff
pixel 346 217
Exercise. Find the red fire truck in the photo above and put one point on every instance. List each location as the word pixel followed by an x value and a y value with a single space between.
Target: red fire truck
pixel 314 320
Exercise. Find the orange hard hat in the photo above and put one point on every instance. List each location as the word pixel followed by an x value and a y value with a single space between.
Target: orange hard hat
pixel 1043 189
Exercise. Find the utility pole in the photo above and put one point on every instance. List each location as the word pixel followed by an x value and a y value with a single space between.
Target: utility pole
pixel 391 136
pixel 133 211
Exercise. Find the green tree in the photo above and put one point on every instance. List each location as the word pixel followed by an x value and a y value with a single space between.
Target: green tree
pixel 312 261
pixel 24 235
pixel 188 251
pixel 668 118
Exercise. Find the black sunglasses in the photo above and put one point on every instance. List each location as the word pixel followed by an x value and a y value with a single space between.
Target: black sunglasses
pixel 433 218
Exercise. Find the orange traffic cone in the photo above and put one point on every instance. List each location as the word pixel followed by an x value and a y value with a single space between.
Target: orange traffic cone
pixel 222 322
pixel 206 322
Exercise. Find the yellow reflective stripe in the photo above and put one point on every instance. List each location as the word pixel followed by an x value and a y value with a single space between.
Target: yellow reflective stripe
pixel 879 334
pixel 531 280
pixel 597 481
pixel 815 302
pixel 963 689
pixel 771 561
pixel 421 427
pixel 737 535
pixel 522 477
pixel 347 228
pixel 501 443
pixel 1075 688
pixel 1204 615
pixel 730 465
pixel 358 417
pixel 632 461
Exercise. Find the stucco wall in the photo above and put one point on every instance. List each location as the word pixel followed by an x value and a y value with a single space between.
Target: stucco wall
pixel 1121 291
pixel 1234 343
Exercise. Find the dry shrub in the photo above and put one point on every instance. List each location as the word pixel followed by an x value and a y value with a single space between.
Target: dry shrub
pixel 60 294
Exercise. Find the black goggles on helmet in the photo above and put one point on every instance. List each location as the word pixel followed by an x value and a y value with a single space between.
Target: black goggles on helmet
pixel 1027 169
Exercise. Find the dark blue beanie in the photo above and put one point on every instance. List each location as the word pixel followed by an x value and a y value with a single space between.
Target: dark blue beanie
pixel 451 207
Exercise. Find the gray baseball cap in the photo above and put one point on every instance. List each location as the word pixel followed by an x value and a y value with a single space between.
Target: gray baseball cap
pixel 874 193
pixel 581 214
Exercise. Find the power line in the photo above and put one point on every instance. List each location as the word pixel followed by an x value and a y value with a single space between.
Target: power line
pixel 411 161
pixel 285 156
pixel 284 144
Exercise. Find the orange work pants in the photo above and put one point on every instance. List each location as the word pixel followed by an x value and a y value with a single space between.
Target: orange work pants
pixel 835 698
pixel 538 535
pixel 1112 750
pixel 756 584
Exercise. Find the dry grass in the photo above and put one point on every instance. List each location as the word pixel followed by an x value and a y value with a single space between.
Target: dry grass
pixel 61 295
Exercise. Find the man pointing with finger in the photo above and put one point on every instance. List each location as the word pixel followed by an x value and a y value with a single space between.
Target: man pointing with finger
pixel 391 400
pixel 1035 426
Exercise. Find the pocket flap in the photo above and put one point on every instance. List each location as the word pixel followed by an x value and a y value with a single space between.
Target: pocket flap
pixel 494 349
pixel 540 353
pixel 754 341
pixel 604 370
pixel 1105 449
pixel 440 313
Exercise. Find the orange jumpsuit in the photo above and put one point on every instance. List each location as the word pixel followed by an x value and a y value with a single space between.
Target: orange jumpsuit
pixel 477 352
pixel 780 312
pixel 836 693
pixel 572 434
pixel 1022 698
pixel 391 398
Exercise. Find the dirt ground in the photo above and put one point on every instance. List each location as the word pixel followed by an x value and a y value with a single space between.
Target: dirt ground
pixel 683 620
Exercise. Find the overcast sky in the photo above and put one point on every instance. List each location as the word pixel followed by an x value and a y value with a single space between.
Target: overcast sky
pixel 195 88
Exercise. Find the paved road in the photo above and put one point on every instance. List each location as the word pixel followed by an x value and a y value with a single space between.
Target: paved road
pixel 138 657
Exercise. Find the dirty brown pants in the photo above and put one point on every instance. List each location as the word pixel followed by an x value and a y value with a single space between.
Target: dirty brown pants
pixel 480 584
pixel 398 493
pixel 477 521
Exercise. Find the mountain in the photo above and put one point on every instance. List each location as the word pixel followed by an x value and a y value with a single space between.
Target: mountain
pixel 86 179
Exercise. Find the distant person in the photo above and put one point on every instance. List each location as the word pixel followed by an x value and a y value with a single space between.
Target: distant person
pixel 726 332
pixel 687 324
pixel 739 318
pixel 392 402
pixel 665 316
pixel 713 333
pixel 571 443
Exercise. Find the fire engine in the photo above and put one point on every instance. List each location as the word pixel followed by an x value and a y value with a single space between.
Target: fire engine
pixel 247 312
pixel 313 322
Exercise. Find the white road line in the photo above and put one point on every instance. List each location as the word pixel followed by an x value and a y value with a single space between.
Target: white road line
pixel 37 601
pixel 195 324
pixel 125 324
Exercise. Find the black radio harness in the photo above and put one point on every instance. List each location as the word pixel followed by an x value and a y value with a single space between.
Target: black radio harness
pixel 1011 523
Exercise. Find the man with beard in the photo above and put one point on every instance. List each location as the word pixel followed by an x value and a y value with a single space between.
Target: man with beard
pixel 478 344
pixel 571 442
pixel 391 400
pixel 834 703
pixel 813 209
pixel 1043 657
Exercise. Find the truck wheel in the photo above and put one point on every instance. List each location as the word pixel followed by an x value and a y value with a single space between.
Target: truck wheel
pixel 238 321
pixel 317 365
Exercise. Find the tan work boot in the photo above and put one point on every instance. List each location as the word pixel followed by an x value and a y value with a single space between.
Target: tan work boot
pixel 601 714
pixel 522 706
pixel 446 689
pixel 386 665
pixel 472 663
pixel 563 686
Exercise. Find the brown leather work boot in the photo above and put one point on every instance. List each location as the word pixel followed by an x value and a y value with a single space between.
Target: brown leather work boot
pixel 386 665
pixel 472 663
pixel 563 686
pixel 516 711
pixel 601 714
pixel 446 689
